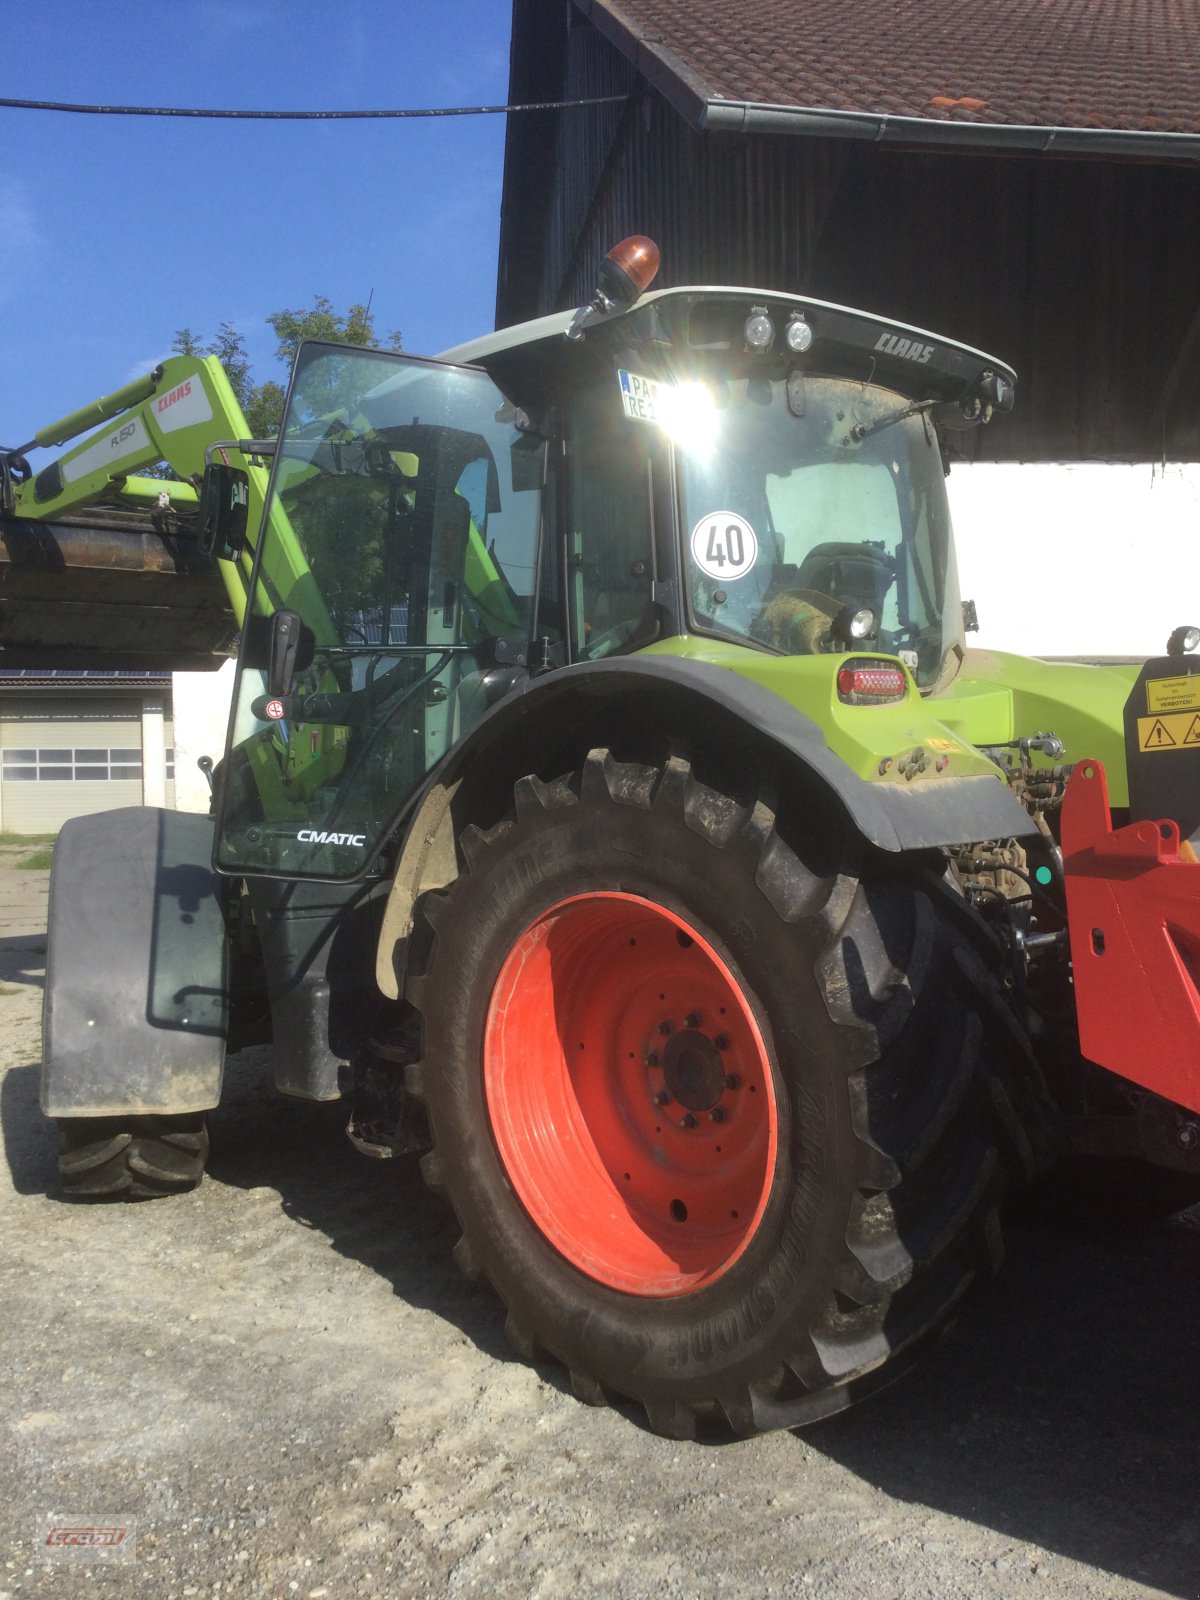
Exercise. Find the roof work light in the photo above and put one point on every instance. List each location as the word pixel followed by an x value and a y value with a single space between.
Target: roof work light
pixel 759 331
pixel 798 333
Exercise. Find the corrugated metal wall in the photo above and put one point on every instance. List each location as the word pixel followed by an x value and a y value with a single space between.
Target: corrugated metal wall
pixel 1080 273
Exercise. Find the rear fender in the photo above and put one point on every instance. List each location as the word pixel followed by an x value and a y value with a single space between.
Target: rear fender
pixel 549 725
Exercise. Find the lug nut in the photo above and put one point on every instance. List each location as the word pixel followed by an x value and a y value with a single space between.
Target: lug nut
pixel 664 1028
pixel 732 1081
pixel 662 1098
pixel 717 1114
pixel 722 1041
pixel 687 1120
pixel 1187 1136
pixel 652 1059
pixel 692 1019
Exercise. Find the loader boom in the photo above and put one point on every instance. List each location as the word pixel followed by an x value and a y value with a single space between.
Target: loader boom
pixel 172 415
pixel 91 509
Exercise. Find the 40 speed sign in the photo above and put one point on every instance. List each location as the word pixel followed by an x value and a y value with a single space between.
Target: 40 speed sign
pixel 724 546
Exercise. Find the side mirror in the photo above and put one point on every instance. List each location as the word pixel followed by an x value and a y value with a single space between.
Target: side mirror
pixel 996 392
pixel 992 392
pixel 224 507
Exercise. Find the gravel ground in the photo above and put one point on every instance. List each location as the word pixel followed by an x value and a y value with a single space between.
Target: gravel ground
pixel 282 1382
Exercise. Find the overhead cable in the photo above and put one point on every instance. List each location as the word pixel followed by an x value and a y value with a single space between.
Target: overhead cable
pixel 304 116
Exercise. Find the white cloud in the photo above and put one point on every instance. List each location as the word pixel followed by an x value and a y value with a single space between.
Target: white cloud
pixel 145 365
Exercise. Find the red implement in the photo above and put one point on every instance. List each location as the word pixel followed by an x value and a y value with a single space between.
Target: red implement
pixel 1133 906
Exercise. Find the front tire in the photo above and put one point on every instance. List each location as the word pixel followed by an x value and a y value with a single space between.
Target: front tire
pixel 136 1158
pixel 724 1121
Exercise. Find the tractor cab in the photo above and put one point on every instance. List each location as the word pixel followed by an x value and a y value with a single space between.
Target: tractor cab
pixel 694 469
pixel 752 468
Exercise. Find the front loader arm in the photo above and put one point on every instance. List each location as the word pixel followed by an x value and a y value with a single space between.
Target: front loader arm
pixel 173 414
pixel 178 413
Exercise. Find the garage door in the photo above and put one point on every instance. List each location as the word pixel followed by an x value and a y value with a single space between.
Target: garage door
pixel 67 761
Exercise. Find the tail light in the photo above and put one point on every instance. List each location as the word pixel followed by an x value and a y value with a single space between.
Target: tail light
pixel 862 681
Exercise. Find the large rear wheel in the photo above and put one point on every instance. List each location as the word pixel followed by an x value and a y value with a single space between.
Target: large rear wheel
pixel 725 1121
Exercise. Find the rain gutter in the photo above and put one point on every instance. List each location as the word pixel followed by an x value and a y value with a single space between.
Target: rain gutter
pixel 730 116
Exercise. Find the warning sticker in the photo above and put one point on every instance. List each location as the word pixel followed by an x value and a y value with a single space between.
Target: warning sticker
pixel 724 546
pixel 1176 730
pixel 1172 694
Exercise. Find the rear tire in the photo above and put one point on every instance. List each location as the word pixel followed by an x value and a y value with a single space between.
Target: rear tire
pixel 766 1266
pixel 138 1158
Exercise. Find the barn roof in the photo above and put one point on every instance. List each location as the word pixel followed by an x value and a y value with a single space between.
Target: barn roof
pixel 1066 76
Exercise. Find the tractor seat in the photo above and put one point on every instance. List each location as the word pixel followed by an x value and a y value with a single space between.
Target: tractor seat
pixel 847 571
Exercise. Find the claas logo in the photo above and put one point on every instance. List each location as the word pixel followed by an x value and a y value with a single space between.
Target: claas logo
pixel 168 400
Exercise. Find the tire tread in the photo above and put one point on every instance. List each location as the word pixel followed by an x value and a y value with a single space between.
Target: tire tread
pixel 142 1158
pixel 939 1114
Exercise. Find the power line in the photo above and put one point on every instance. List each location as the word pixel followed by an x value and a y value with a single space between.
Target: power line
pixel 303 116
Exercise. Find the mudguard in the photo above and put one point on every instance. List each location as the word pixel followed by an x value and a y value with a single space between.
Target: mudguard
pixel 892 817
pixel 137 983
pixel 549 723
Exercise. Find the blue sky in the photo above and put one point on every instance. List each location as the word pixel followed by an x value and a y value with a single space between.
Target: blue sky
pixel 115 232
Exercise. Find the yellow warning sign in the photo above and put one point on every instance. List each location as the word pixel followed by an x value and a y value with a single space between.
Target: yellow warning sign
pixel 1176 730
pixel 1172 694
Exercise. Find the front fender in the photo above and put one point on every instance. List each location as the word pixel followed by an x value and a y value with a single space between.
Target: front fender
pixel 137 988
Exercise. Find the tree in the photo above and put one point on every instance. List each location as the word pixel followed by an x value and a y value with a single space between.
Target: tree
pixel 230 349
pixel 264 409
pixel 263 402
pixel 323 322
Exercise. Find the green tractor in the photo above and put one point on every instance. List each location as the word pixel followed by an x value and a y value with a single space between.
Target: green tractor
pixel 615 814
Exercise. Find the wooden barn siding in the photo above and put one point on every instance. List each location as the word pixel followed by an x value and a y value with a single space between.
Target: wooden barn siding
pixel 1082 274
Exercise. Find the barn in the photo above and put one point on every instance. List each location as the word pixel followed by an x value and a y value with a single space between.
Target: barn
pixel 1025 178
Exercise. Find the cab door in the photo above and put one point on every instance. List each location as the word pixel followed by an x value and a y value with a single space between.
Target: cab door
pixel 396 566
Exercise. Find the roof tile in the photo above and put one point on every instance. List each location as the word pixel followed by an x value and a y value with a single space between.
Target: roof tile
pixel 1121 64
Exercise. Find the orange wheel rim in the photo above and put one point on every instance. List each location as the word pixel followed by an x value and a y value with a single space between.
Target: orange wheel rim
pixel 630 1094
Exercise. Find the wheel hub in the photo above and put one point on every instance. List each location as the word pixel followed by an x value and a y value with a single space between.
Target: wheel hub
pixel 693 1070
pixel 642 1146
